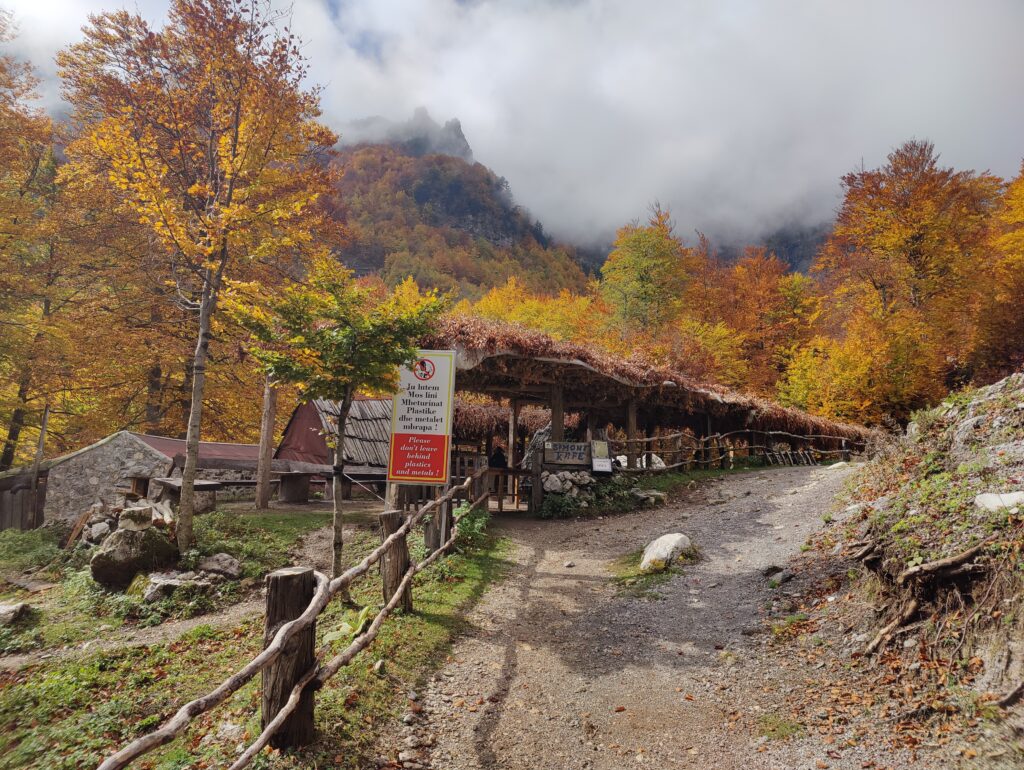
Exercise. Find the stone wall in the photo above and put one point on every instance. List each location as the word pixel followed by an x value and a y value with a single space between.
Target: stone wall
pixel 225 476
pixel 93 475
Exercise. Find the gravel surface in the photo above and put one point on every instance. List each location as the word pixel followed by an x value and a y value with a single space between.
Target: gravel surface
pixel 563 670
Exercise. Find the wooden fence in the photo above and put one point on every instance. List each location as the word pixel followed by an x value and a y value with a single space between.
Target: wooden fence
pixel 291 670
pixel 723 450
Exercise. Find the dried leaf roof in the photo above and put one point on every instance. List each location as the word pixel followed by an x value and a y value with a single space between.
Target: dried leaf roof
pixel 502 358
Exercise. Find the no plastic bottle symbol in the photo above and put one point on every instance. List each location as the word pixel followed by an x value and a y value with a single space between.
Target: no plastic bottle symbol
pixel 423 369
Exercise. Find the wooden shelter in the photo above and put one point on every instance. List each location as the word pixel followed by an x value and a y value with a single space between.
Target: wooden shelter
pixel 527 367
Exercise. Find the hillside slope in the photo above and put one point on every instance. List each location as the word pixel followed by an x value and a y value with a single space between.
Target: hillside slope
pixel 930 540
pixel 450 223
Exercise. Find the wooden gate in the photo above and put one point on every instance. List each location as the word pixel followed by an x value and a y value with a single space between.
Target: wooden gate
pixel 19 508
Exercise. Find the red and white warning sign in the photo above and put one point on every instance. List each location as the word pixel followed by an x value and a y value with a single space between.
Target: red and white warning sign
pixel 421 420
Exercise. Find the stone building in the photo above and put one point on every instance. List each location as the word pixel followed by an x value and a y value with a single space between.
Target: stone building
pixel 123 467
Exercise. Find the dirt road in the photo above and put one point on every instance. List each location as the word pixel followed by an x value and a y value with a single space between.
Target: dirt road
pixel 563 671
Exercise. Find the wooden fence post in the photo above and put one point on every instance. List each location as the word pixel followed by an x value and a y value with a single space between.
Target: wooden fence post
pixel 395 561
pixel 289 592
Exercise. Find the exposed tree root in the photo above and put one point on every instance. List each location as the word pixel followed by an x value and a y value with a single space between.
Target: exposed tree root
pixel 865 552
pixel 948 565
pixel 908 612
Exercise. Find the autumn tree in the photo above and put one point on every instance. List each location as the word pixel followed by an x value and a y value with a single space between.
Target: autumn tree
pixel 906 267
pixel 335 338
pixel 205 134
pixel 645 275
pixel 772 309
pixel 26 176
pixel 1001 333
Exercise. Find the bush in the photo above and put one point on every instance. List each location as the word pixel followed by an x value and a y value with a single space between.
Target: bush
pixel 472 527
pixel 559 507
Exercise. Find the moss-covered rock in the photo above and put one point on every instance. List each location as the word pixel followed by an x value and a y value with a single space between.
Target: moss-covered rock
pixel 128 552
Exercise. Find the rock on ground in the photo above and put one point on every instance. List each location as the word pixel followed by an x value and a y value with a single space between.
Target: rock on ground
pixel 127 552
pixel 660 553
pixel 221 564
pixel 9 613
pixel 994 501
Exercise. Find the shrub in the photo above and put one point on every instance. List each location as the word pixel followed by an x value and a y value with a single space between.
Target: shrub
pixel 559 507
pixel 472 527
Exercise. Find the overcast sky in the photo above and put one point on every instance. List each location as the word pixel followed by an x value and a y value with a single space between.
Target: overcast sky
pixel 740 116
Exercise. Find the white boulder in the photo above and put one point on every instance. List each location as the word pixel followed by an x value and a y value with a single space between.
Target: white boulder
pixel 994 501
pixel 660 553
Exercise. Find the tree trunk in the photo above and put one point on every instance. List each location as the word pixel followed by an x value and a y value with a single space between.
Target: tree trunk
pixel 37 509
pixel 154 413
pixel 14 427
pixel 336 482
pixel 395 561
pixel 266 445
pixel 188 474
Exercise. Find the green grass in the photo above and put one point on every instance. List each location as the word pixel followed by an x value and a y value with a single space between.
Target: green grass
pixel 69 715
pixel 260 541
pixel 77 609
pixel 20 551
pixel 777 728
pixel 630 581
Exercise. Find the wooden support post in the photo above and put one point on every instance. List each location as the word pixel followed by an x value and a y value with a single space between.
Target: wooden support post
pixel 557 414
pixel 707 442
pixel 591 426
pixel 631 433
pixel 537 490
pixel 648 445
pixel 846 452
pixel 512 455
pixel 395 560
pixel 289 592
pixel 513 429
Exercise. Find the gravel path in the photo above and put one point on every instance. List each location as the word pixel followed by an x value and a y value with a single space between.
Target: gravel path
pixel 563 671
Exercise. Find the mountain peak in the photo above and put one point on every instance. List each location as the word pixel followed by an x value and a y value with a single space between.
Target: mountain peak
pixel 418 136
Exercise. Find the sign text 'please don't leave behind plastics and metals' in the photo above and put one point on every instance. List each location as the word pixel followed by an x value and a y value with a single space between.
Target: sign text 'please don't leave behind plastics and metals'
pixel 421 421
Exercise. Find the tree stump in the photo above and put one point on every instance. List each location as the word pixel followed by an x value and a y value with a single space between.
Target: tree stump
pixel 395 561
pixel 289 592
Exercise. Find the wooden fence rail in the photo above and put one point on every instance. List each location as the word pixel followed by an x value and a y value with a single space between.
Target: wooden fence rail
pixel 325 591
pixel 711 450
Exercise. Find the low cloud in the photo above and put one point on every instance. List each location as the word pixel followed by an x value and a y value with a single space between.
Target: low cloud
pixel 740 116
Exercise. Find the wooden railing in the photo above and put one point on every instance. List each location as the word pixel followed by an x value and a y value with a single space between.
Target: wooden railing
pixel 684 450
pixel 276 661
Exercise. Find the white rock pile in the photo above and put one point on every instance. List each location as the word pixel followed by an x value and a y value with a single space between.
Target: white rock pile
pixel 577 484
